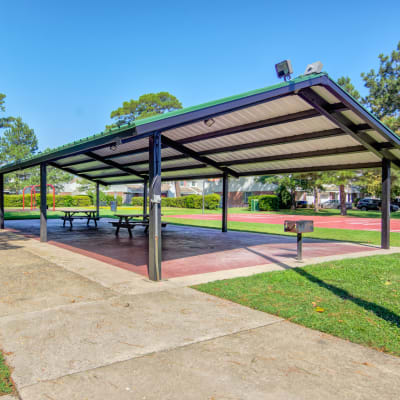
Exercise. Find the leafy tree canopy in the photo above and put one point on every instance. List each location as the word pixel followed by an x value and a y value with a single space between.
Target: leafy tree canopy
pixel 18 142
pixel 287 186
pixel 383 98
pixel 147 105
pixel 384 86
pixel 346 84
pixel 4 121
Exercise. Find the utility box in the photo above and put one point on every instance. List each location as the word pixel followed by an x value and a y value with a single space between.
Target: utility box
pixel 302 226
pixel 299 227
pixel 113 206
pixel 254 206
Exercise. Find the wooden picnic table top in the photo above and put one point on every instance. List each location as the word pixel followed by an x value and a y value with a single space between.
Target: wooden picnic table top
pixel 124 215
pixel 75 210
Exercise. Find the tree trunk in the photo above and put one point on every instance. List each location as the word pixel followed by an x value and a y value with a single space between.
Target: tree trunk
pixel 177 189
pixel 343 210
pixel 316 199
pixel 293 207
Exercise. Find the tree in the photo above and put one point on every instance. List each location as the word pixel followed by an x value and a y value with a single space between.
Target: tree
pixel 288 185
pixel 55 176
pixel 383 98
pixel 4 121
pixel 370 182
pixel 315 182
pixel 18 142
pixel 342 178
pixel 346 84
pixel 147 105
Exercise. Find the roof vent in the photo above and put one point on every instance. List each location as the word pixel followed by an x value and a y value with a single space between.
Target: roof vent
pixel 314 68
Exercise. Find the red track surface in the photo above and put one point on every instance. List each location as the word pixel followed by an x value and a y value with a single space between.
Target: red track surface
pixel 338 222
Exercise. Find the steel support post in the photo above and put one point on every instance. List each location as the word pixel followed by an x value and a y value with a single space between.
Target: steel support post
pixel 145 194
pixel 1 201
pixel 225 193
pixel 97 199
pixel 385 212
pixel 43 202
pixel 154 265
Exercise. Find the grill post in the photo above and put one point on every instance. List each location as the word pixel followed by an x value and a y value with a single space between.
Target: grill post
pixel 385 212
pixel 299 246
pixel 225 192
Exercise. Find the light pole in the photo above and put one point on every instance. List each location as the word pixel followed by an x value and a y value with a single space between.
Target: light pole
pixel 204 182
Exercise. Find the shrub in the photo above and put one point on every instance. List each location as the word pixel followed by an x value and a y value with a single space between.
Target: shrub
pixel 15 200
pixel 108 198
pixel 211 201
pixel 137 201
pixel 266 202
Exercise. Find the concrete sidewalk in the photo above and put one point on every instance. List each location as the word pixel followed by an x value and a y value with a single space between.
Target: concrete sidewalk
pixel 76 328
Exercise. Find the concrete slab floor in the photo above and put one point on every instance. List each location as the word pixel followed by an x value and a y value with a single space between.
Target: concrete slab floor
pixel 186 250
pixel 127 338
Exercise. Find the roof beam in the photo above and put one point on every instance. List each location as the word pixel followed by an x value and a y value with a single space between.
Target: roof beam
pixel 112 175
pixel 338 167
pixel 130 153
pixel 298 116
pixel 92 169
pixel 284 140
pixel 170 179
pixel 184 168
pixel 295 156
pixel 71 171
pixel 316 101
pixel 193 154
pixel 70 164
pixel 276 141
pixel 113 164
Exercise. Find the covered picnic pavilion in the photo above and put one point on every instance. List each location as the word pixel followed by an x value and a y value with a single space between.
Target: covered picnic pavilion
pixel 302 125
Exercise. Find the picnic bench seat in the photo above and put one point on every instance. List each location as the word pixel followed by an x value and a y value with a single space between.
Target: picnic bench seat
pixel 131 225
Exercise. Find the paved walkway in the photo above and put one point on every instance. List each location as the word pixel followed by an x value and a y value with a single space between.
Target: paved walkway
pixel 75 328
pixel 336 222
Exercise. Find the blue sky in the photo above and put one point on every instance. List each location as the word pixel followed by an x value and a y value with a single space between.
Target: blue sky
pixel 66 65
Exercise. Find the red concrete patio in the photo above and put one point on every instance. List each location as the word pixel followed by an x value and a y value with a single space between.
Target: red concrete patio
pixel 186 250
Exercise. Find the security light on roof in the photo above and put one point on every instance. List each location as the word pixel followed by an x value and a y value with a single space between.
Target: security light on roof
pixel 284 69
pixel 314 68
pixel 209 122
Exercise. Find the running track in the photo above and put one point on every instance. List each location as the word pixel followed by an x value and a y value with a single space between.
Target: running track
pixel 363 224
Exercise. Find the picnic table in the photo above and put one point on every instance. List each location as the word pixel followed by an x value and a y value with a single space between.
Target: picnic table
pixel 129 221
pixel 74 213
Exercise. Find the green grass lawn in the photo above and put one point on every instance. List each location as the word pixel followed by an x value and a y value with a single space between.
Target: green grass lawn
pixel 357 299
pixel 234 210
pixel 356 236
pixel 6 386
